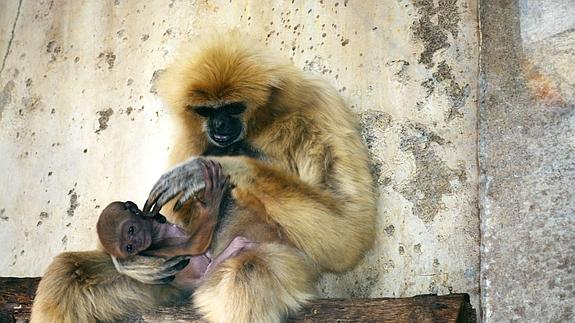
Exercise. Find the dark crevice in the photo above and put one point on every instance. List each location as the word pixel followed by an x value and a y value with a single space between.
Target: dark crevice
pixel 11 37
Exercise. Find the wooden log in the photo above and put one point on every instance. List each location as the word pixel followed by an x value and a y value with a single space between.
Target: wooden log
pixel 17 294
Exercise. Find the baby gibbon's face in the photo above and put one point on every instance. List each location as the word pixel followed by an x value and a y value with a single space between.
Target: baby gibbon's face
pixel 135 236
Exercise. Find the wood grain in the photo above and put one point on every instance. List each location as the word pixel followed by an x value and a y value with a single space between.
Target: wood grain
pixel 17 294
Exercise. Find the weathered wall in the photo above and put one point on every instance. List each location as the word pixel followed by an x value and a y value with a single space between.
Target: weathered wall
pixel 528 160
pixel 81 125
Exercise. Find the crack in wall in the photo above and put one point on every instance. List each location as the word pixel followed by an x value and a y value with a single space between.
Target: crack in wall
pixel 11 37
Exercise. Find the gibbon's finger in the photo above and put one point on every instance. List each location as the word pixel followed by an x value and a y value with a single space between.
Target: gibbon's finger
pixel 168 177
pixel 154 280
pixel 137 263
pixel 216 173
pixel 208 179
pixel 175 179
pixel 174 261
pixel 160 218
pixel 163 195
pixel 168 280
pixel 177 206
pixel 188 193
pixel 159 187
pixel 220 171
pixel 147 207
pixel 200 204
pixel 166 195
pixel 161 273
pixel 152 198
pixel 163 184
pixel 148 270
pixel 156 210
pixel 165 198
pixel 181 265
pixel 225 183
pixel 212 165
pixel 167 272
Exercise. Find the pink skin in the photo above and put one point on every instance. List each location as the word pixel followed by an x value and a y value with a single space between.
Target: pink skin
pixel 235 247
pixel 139 234
pixel 201 267
pixel 207 217
pixel 142 234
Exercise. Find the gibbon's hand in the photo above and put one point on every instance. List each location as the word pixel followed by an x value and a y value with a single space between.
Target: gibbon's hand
pixel 186 178
pixel 151 270
pixel 216 185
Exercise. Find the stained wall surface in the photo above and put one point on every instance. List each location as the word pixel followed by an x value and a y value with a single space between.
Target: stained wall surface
pixel 81 125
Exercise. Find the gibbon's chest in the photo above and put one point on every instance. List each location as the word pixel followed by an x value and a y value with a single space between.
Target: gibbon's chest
pixel 244 149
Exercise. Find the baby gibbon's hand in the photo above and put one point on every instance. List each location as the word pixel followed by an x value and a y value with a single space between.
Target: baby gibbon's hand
pixel 216 186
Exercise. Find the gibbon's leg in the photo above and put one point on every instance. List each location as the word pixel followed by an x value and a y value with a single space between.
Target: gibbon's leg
pixel 264 284
pixel 312 219
pixel 85 287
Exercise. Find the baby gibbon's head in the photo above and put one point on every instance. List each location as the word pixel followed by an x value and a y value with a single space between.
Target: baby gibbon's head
pixel 109 227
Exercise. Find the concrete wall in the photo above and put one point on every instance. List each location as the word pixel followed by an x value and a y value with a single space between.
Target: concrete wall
pixel 528 160
pixel 81 126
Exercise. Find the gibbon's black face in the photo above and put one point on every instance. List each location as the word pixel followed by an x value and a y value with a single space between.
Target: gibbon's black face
pixel 224 123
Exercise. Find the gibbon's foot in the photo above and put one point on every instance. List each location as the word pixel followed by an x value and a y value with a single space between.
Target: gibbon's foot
pixel 238 245
pixel 151 270
pixel 186 178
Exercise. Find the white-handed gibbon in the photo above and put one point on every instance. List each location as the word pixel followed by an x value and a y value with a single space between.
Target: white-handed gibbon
pixel 302 192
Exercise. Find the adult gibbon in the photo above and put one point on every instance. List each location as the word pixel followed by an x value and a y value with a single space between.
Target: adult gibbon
pixel 302 192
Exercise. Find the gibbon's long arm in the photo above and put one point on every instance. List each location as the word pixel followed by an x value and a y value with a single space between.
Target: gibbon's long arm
pixel 303 189
pixel 313 220
pixel 85 287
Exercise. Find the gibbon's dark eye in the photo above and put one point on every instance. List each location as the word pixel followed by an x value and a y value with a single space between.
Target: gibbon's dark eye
pixel 131 230
pixel 235 108
pixel 204 111
pixel 130 248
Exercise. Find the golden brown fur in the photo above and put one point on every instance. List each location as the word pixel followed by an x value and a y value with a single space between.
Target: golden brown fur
pixel 308 200
pixel 85 287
